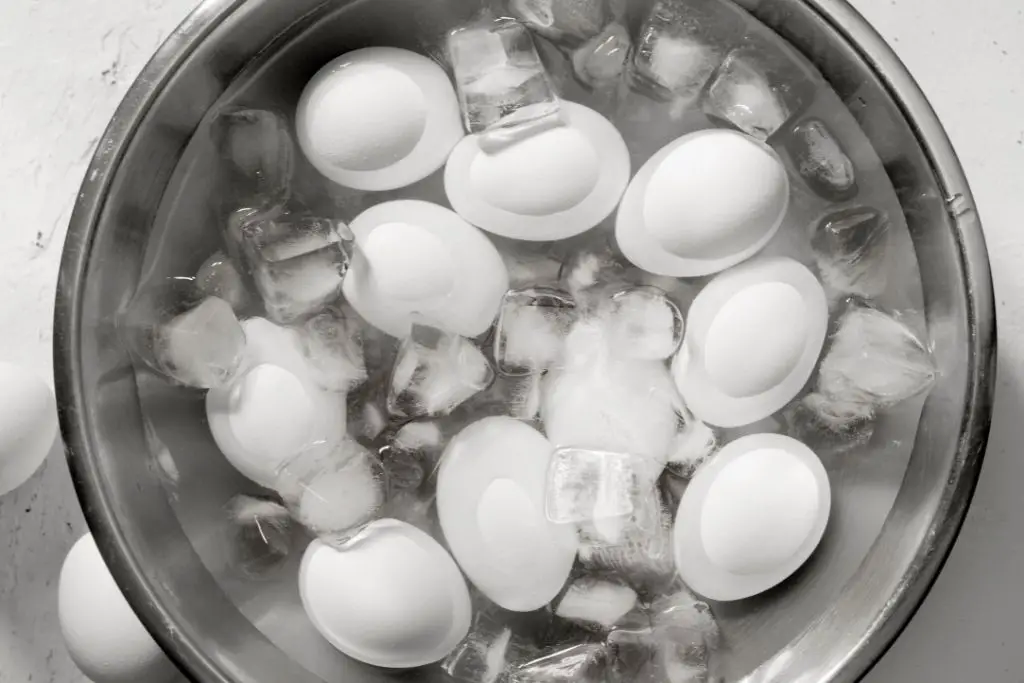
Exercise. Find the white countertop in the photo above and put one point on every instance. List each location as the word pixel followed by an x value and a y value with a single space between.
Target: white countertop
pixel 64 66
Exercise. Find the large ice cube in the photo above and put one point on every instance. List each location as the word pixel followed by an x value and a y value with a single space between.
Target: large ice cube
pixel 590 486
pixel 219 277
pixel 503 87
pixel 487 653
pixel 260 535
pixel 333 346
pixel 582 663
pixel 601 61
pixel 412 453
pixel 259 157
pixel 566 22
pixel 821 161
pixel 596 603
pixel 850 250
pixel 531 331
pixel 645 324
pixel 637 547
pixel 436 372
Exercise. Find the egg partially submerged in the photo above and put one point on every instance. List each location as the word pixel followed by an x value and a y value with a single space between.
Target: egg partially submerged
pixel 751 517
pixel 753 336
pixel 378 118
pixel 418 260
pixel 705 202
pixel 392 598
pixel 552 185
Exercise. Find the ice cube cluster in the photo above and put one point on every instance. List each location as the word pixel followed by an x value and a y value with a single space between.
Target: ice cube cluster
pixel 562 381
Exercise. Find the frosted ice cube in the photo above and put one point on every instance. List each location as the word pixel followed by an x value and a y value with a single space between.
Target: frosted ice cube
pixel 596 603
pixel 503 87
pixel 298 262
pixel 601 61
pixel 332 344
pixel 333 492
pixel 587 274
pixel 566 22
pixel 757 90
pixel 260 535
pixel 829 425
pixel 645 323
pixel 412 453
pixel 259 157
pixel 582 663
pixel 821 161
pixel 487 653
pixel 219 277
pixel 694 445
pixel 435 373
pixel 874 359
pixel 531 330
pixel 850 250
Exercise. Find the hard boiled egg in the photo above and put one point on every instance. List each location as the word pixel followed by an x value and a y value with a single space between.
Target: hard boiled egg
pixel 103 636
pixel 554 184
pixel 418 260
pixel 705 202
pixel 490 501
pixel 753 336
pixel 378 118
pixel 28 425
pixel 393 598
pixel 751 516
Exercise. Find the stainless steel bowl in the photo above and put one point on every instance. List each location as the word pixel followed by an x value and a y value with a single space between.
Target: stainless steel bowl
pixel 848 604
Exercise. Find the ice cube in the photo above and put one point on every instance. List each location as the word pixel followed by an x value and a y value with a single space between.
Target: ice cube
pixel 757 90
pixel 633 651
pixel 694 445
pixel 435 372
pixel 503 87
pixel 531 330
pixel 334 349
pixel 297 261
pixel 596 603
pixel 587 485
pixel 601 61
pixel 219 277
pixel 260 535
pixel 567 22
pixel 645 323
pixel 850 250
pixel 413 507
pixel 874 359
pixel 487 653
pixel 259 157
pixel 529 266
pixel 367 420
pixel 412 453
pixel 517 397
pixel 830 426
pixel 682 611
pixel 582 663
pixel 333 492
pixel 821 161
pixel 588 274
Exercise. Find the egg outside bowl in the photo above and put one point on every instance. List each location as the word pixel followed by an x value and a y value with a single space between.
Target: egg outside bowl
pixel 162 541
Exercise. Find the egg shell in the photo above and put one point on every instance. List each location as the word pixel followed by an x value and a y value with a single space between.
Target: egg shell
pixel 479 276
pixel 753 337
pixel 103 635
pixel 704 202
pixel 751 516
pixel 490 501
pixel 28 425
pixel 378 118
pixel 557 183
pixel 392 598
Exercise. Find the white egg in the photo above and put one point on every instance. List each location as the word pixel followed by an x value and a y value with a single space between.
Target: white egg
pixel 490 501
pixel 751 517
pixel 393 598
pixel 753 337
pixel 28 425
pixel 378 118
pixel 704 202
pixel 103 636
pixel 420 261
pixel 554 184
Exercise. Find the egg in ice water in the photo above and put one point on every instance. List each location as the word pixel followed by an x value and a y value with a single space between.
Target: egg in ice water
pixel 751 517
pixel 753 337
pixel 554 184
pixel 704 202
pixel 392 598
pixel 490 501
pixel 28 425
pixel 378 118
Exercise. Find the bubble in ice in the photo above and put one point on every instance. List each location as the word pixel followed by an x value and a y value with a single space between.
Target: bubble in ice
pixel 596 603
pixel 821 161
pixel 601 61
pixel 258 154
pixel 332 344
pixel 531 330
pixel 219 277
pixel 850 248
pixel 580 663
pixel 435 372
pixel 645 323
pixel 261 534
pixel 487 652
pixel 567 22
pixel 412 453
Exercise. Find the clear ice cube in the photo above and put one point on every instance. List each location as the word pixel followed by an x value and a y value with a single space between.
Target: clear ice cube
pixel 332 344
pixel 566 22
pixel 633 652
pixel 830 426
pixel 596 603
pixel 531 330
pixel 850 248
pixel 412 453
pixel 682 611
pixel 757 90
pixel 601 61
pixel 435 372
pixel 261 536
pixel 581 663
pixel 487 652
pixel 518 397
pixel 821 161
pixel 645 323
pixel 259 157
pixel 503 87
pixel 297 261
pixel 219 277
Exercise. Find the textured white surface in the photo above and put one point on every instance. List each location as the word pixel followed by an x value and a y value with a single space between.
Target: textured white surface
pixel 64 65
